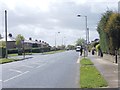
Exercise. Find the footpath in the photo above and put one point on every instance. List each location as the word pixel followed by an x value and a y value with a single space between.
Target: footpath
pixel 108 69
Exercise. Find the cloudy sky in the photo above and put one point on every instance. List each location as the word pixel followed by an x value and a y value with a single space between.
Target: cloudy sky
pixel 43 19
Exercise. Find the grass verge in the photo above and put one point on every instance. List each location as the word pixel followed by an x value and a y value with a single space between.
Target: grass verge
pixel 90 77
pixel 53 52
pixel 85 61
pixel 16 54
pixel 2 61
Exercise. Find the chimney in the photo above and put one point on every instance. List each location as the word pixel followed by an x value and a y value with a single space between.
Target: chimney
pixel 30 38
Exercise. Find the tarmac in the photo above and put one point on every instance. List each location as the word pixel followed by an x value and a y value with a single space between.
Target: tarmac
pixel 108 69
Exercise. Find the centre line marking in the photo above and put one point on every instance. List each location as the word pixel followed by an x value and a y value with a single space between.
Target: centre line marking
pixel 16 76
pixel 15 70
pixel 40 66
pixel 27 66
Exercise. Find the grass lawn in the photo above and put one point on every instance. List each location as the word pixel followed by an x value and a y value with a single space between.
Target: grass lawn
pixel 53 52
pixel 90 77
pixel 4 60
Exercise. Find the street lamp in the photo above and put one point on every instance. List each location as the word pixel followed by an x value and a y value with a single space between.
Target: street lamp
pixel 55 39
pixel 87 32
pixel 6 33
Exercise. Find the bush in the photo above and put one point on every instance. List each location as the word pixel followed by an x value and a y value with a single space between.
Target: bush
pixel 36 50
pixel 2 52
pixel 12 51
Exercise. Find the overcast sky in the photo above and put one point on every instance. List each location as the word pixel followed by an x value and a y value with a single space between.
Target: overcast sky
pixel 42 19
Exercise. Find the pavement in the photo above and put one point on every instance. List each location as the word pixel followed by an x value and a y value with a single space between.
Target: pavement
pixel 108 69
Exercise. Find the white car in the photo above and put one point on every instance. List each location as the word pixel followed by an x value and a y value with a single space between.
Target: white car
pixel 78 48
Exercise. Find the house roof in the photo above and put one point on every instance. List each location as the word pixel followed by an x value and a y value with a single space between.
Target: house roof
pixel 8 39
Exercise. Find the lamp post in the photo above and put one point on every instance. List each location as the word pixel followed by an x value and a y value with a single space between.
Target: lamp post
pixel 55 39
pixel 6 33
pixel 87 32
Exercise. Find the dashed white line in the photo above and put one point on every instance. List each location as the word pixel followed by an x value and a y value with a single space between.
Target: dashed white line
pixel 15 70
pixel 16 76
pixel 40 66
pixel 27 66
pixel 36 63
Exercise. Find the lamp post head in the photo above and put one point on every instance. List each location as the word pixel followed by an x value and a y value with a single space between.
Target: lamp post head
pixel 79 15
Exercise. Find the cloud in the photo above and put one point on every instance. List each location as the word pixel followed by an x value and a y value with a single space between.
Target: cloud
pixel 41 19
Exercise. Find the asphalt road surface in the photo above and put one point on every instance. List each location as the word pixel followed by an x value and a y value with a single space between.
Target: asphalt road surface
pixel 59 70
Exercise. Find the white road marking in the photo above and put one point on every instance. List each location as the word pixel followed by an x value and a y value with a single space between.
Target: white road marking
pixel 78 61
pixel 16 76
pixel 37 63
pixel 0 80
pixel 40 66
pixel 15 70
pixel 27 66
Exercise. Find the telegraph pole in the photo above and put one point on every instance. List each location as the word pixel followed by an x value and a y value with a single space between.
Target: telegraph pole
pixel 6 32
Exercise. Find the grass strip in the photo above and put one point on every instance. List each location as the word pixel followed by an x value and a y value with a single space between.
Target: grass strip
pixel 85 61
pixel 2 61
pixel 53 52
pixel 90 77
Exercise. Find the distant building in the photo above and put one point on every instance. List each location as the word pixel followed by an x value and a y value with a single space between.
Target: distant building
pixel 119 7
pixel 28 44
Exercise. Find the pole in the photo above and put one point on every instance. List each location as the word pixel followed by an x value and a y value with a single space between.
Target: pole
pixel 6 32
pixel 86 27
pixel 116 56
pixel 55 41
pixel 86 36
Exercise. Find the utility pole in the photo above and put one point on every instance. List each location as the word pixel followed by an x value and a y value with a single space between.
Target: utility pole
pixel 6 32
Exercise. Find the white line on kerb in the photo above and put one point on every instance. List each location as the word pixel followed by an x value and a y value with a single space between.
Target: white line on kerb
pixel 15 70
pixel 16 76
pixel 78 61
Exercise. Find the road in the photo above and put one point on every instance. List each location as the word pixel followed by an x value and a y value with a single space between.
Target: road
pixel 58 70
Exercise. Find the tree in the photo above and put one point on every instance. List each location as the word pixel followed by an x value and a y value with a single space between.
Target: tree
pixel 113 31
pixel 80 41
pixel 70 47
pixel 101 30
pixel 2 44
pixel 19 39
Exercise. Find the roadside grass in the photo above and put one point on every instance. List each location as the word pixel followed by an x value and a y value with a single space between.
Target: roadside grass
pixel 53 52
pixel 90 77
pixel 86 61
pixel 4 60
pixel 16 54
pixel 12 54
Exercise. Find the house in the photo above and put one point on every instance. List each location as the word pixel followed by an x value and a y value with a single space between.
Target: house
pixel 10 41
